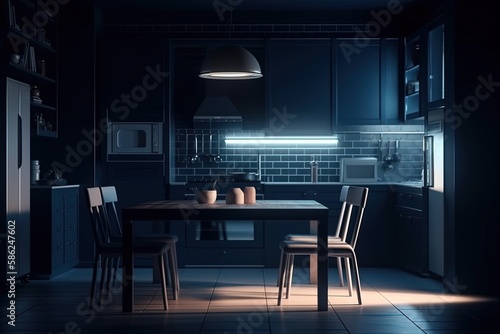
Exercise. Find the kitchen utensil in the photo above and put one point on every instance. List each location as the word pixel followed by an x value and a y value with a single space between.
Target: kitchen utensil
pixel 187 158
pixel 388 157
pixel 243 176
pixel 380 149
pixel 195 157
pixel 217 156
pixel 396 156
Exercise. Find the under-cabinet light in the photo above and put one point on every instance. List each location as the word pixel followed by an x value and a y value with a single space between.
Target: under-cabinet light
pixel 282 140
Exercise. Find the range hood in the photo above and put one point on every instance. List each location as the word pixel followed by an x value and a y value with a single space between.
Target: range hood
pixel 217 109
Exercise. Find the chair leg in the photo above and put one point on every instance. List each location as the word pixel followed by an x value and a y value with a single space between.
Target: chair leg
pixel 104 267
pixel 280 268
pixel 281 276
pixel 348 274
pixel 289 277
pixel 358 281
pixel 339 269
pixel 176 266
pixel 161 264
pixel 115 273
pixel 92 286
pixel 173 272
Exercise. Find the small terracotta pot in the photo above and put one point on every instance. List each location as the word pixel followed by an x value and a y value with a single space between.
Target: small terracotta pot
pixel 206 196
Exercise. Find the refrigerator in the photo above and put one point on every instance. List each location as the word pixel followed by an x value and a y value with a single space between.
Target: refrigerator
pixel 434 188
pixel 16 181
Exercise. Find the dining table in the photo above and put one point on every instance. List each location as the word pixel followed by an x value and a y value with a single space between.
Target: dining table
pixel 185 211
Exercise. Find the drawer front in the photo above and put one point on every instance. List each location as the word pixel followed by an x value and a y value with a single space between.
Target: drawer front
pixel 70 251
pixel 71 233
pixel 409 200
pixel 71 199
pixel 57 254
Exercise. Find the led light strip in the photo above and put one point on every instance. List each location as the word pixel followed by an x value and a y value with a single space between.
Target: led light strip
pixel 282 140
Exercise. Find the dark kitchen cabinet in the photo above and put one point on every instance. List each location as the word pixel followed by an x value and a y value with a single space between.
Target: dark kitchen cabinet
pixel 54 230
pixel 366 85
pixel 424 84
pixel 134 77
pixel 299 87
pixel 411 232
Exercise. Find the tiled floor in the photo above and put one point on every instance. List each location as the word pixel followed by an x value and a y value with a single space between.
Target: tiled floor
pixel 243 300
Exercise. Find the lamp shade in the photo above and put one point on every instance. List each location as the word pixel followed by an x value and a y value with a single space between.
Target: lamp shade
pixel 230 62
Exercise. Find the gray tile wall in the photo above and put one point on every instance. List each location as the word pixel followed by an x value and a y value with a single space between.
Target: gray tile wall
pixel 290 163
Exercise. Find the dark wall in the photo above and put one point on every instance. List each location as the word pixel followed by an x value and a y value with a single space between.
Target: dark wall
pixel 76 145
pixel 472 229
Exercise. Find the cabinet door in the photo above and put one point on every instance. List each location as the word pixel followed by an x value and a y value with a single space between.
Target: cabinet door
pixel 366 85
pixel 299 87
pixel 135 78
pixel 57 228
pixel 436 67
pixel 71 199
pixel 357 85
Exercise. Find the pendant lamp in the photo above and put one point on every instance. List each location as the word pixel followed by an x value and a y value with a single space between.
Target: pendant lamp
pixel 230 62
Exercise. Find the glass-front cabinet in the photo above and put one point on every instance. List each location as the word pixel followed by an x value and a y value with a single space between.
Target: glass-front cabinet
pixel 424 71
pixel 412 77
pixel 436 67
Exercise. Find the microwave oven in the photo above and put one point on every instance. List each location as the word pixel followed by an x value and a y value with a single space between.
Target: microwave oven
pixel 358 170
pixel 135 138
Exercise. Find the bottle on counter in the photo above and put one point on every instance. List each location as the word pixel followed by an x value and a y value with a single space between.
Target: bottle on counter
pixel 314 169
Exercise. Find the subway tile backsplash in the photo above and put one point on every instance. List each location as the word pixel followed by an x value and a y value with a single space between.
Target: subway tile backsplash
pixel 291 163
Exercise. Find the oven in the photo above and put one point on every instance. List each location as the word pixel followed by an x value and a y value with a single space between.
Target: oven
pixel 223 242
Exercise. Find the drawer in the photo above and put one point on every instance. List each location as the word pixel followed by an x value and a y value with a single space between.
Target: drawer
pixel 70 251
pixel 410 200
pixel 71 233
pixel 57 254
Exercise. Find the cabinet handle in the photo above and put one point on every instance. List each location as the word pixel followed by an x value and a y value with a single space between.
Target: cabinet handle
pixel 59 229
pixel 310 193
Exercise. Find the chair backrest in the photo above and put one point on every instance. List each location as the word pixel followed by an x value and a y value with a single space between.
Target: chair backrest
pixel 356 198
pixel 95 204
pixel 109 199
pixel 343 200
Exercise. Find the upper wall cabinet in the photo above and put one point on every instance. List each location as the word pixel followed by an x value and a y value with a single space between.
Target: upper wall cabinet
pixel 424 71
pixel 299 87
pixel 29 47
pixel 366 81
pixel 135 77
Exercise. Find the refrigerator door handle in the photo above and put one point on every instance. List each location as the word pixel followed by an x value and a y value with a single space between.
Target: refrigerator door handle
pixel 19 141
pixel 428 161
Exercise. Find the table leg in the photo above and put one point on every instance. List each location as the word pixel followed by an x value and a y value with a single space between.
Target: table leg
pixel 313 259
pixel 128 265
pixel 322 263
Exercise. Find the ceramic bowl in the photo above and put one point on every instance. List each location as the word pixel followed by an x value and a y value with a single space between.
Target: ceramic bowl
pixel 206 196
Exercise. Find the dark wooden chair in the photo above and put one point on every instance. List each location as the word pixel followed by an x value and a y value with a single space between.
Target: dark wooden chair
pixel 109 250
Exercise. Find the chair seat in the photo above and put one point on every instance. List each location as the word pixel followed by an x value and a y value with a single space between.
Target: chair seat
pixel 339 248
pixel 309 238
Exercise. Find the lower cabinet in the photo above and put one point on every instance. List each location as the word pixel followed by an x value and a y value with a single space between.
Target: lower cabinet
pixel 54 230
pixel 411 231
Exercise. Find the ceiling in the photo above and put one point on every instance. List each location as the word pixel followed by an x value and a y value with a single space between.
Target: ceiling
pixel 253 5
